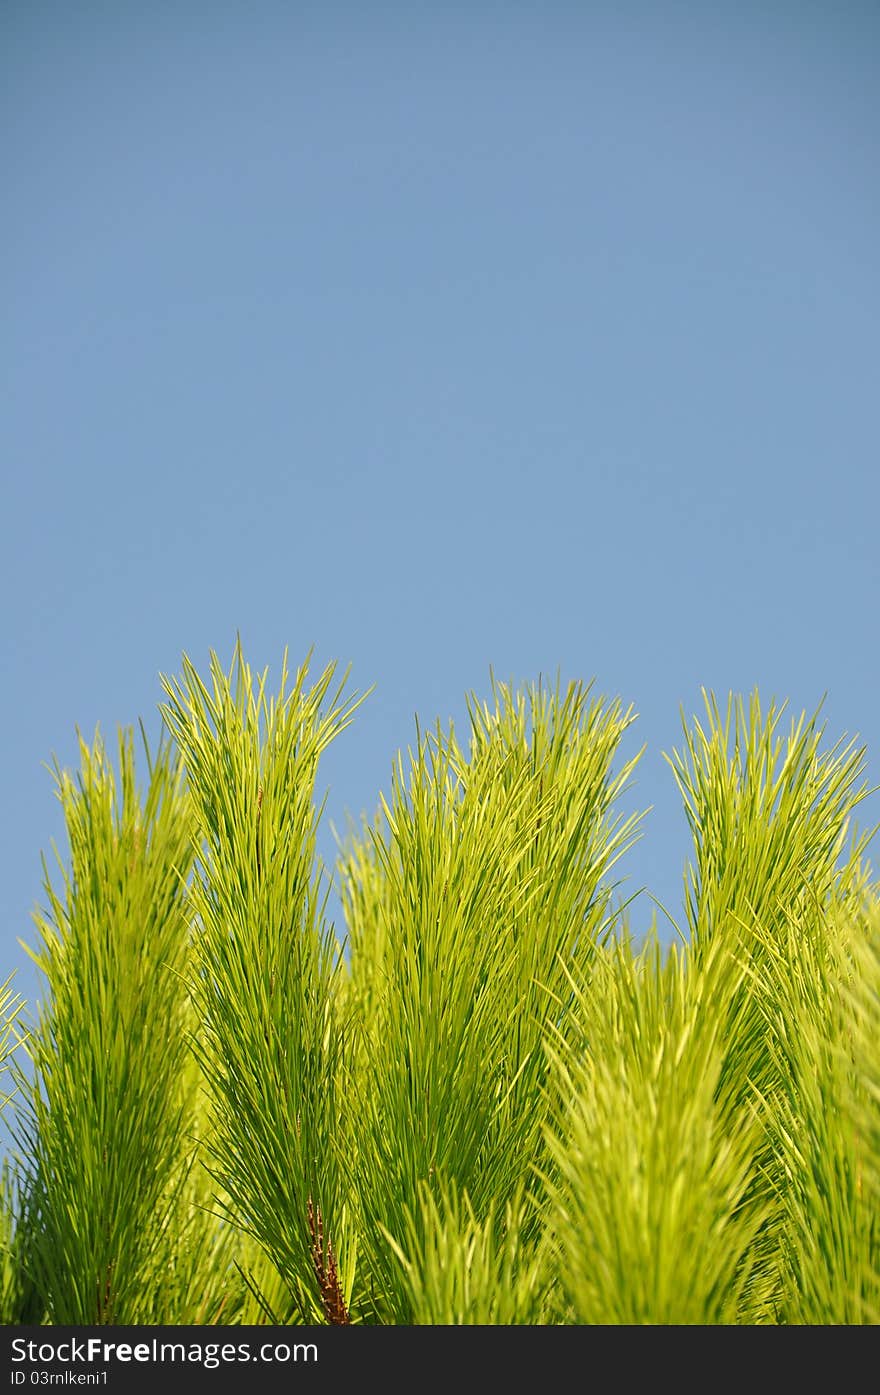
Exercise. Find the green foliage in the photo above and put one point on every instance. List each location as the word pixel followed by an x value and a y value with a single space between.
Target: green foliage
pixel 484 1105
pixel 264 961
pixel 460 1269
pixel 11 1277
pixel 103 1137
pixel 823 1019
pixel 487 884
pixel 649 1200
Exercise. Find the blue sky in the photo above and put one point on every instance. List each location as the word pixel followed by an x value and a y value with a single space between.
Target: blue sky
pixel 436 337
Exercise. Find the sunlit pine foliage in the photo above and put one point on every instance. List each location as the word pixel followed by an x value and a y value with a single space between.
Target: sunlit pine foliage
pixel 489 1094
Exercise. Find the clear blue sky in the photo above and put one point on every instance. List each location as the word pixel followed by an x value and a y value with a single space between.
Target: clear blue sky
pixel 436 336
